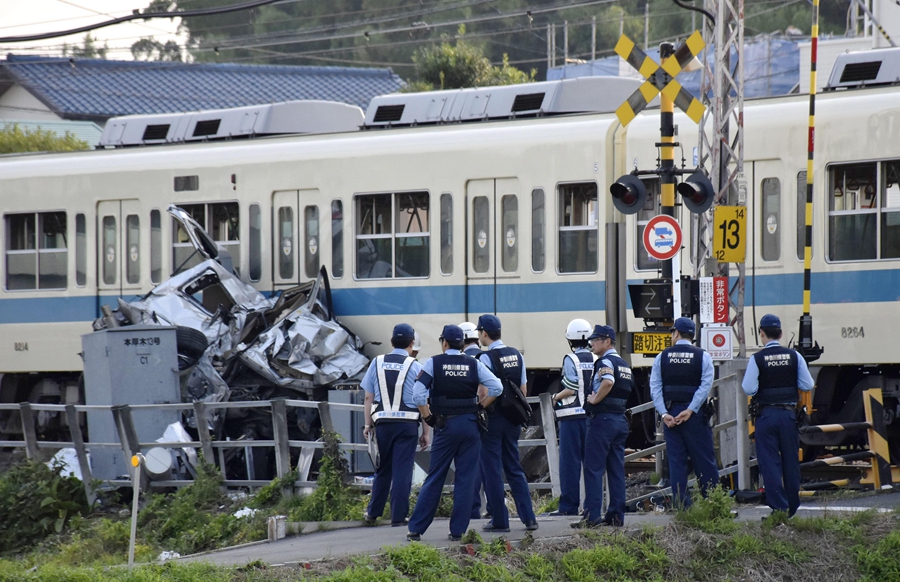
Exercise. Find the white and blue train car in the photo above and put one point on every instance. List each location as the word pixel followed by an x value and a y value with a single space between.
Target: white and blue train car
pixel 451 204
pixel 855 281
pixel 431 225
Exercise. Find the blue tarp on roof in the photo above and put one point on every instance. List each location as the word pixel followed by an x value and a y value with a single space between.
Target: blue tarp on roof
pixel 771 67
pixel 89 88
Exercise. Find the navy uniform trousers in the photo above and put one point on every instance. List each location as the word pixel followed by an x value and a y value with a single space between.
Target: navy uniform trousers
pixel 690 439
pixel 604 452
pixel 571 454
pixel 500 449
pixel 460 442
pixel 777 443
pixel 397 442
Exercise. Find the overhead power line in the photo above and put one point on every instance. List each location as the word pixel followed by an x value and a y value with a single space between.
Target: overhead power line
pixel 137 15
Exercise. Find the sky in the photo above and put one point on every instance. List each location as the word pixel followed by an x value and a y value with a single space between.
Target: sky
pixel 21 17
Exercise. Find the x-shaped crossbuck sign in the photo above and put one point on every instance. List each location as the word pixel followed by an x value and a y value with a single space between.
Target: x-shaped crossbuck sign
pixel 660 79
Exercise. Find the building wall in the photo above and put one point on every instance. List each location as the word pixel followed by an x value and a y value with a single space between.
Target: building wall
pixel 17 103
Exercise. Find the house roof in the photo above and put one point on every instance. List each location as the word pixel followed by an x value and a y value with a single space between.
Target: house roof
pixel 99 89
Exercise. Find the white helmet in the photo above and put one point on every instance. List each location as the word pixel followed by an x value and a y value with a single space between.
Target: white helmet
pixel 468 329
pixel 417 342
pixel 578 329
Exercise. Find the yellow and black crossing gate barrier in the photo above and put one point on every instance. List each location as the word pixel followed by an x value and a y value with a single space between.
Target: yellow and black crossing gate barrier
pixel 879 452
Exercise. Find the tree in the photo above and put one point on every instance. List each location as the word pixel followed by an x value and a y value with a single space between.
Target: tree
pixel 454 66
pixel 148 49
pixel 89 50
pixel 14 139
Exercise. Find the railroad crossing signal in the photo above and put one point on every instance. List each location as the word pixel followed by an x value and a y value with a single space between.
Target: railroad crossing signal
pixel 660 81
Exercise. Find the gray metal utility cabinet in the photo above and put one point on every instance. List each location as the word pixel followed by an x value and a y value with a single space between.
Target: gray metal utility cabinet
pixel 128 365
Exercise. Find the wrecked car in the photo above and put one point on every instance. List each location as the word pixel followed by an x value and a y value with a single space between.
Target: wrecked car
pixel 236 344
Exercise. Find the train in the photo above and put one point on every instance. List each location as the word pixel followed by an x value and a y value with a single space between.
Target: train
pixel 433 208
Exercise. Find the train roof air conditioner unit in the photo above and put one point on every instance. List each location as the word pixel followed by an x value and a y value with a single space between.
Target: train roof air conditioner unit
pixel 290 117
pixel 582 95
pixel 865 69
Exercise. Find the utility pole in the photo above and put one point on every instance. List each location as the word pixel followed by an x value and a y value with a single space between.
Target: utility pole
pixel 722 139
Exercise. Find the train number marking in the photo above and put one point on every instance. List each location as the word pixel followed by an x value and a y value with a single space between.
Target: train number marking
pixel 853 332
pixel 729 242
pixel 21 346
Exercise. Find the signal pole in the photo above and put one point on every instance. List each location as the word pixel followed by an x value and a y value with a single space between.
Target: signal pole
pixel 667 157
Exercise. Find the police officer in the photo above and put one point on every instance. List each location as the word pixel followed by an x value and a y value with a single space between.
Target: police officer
pixel 607 430
pixel 773 376
pixel 578 368
pixel 392 417
pixel 472 348
pixel 500 445
pixel 446 394
pixel 470 339
pixel 680 380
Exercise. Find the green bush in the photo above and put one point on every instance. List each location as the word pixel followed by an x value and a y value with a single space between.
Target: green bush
pixel 36 500
pixel 189 520
pixel 332 499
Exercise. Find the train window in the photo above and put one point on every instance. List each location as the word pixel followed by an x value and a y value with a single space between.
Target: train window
pixel 337 239
pixel 53 252
pixel 890 210
pixel 510 208
pixel 446 234
pixel 482 234
pixel 224 228
pixel 650 209
pixel 155 247
pixel 771 219
pixel 578 228
pixel 392 235
pixel 311 251
pixel 21 255
pixel 286 228
pixel 110 246
pixel 80 251
pixel 412 240
pixel 254 245
pixel 852 212
pixel 538 218
pixel 221 222
pixel 133 245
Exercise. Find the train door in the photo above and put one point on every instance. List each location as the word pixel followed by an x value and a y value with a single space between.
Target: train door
pixel 769 231
pixel 295 237
pixel 119 248
pixel 492 245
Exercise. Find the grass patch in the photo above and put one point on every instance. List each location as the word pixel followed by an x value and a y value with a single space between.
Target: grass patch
pixel 711 514
pixel 882 561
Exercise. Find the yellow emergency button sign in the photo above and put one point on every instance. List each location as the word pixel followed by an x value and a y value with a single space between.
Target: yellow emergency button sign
pixel 135 460
pixel 730 234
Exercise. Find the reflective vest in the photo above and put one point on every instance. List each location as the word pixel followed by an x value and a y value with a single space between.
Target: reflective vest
pixel 573 406
pixel 777 375
pixel 391 370
pixel 681 368
pixel 454 389
pixel 617 399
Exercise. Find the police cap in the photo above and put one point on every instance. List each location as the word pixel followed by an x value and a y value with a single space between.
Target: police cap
pixel 602 331
pixel 488 323
pixel 451 334
pixel 769 320
pixel 685 325
pixel 403 331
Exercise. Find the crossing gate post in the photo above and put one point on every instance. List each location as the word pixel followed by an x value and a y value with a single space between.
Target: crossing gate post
pixel 548 419
pixel 878 444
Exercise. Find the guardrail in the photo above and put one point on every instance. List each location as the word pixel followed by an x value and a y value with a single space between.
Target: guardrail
pixel 214 450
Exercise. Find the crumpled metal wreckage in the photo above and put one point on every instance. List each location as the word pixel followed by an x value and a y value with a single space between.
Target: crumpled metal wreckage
pixel 257 348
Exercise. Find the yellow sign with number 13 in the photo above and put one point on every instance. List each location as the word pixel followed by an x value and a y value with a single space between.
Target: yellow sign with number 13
pixel 729 234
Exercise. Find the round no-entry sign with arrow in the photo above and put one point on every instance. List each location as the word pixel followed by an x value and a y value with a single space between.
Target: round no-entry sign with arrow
pixel 662 237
